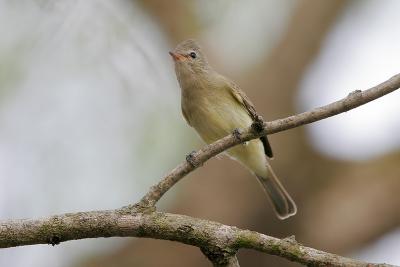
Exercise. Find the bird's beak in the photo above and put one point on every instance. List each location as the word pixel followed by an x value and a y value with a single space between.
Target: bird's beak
pixel 177 57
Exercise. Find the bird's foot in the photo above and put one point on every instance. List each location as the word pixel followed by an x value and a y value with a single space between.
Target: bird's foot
pixel 237 133
pixel 258 124
pixel 191 159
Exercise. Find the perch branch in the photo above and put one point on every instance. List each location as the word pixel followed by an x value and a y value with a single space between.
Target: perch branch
pixel 353 100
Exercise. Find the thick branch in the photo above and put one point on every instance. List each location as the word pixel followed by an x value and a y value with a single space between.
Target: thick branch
pixel 213 238
pixel 353 100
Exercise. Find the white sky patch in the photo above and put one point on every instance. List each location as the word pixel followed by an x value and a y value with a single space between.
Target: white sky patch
pixel 93 78
pixel 243 32
pixel 386 249
pixel 361 51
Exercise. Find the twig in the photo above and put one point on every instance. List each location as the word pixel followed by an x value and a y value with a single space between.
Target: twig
pixel 213 238
pixel 353 100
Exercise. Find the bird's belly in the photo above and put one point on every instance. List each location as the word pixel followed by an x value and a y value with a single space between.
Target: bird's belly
pixel 213 121
pixel 218 125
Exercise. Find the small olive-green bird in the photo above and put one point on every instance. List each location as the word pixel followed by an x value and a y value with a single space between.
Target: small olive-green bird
pixel 215 107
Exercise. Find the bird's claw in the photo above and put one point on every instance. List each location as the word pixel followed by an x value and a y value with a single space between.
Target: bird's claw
pixel 258 124
pixel 191 159
pixel 237 133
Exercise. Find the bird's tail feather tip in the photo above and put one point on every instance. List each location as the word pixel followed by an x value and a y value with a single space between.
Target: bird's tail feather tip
pixel 283 204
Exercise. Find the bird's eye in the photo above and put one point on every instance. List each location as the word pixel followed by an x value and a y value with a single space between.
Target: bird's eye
pixel 193 55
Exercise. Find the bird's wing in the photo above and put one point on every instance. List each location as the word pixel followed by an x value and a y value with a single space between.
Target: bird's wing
pixel 267 146
pixel 242 99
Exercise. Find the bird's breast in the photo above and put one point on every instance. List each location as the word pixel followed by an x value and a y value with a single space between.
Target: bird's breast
pixel 214 114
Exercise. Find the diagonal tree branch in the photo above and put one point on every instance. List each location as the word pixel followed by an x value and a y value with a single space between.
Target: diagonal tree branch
pixel 353 100
pixel 217 241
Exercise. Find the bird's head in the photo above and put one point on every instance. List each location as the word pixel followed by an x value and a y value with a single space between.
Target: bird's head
pixel 189 59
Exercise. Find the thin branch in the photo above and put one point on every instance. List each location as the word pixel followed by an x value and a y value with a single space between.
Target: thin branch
pixel 217 241
pixel 353 100
pixel 212 237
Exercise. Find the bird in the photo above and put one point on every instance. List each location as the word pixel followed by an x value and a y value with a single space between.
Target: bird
pixel 216 107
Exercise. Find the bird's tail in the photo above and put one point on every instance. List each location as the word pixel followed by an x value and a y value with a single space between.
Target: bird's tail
pixel 284 205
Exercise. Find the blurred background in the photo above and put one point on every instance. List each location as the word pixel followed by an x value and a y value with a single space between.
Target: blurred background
pixel 90 119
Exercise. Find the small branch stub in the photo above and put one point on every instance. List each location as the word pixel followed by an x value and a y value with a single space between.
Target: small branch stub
pixel 54 240
pixel 221 257
pixel 191 159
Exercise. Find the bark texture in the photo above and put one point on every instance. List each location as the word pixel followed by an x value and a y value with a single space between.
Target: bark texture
pixel 218 242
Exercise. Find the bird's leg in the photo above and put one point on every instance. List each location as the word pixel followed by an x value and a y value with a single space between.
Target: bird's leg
pixel 191 159
pixel 258 124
